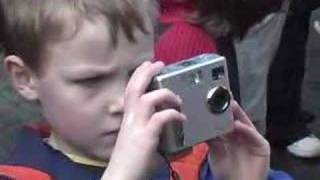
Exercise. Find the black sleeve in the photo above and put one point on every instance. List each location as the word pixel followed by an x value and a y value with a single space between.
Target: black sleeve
pixel 226 48
pixel 312 4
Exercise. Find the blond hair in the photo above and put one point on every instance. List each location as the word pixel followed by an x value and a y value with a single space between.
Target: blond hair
pixel 29 25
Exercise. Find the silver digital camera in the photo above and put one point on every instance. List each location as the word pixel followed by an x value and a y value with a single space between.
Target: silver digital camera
pixel 202 83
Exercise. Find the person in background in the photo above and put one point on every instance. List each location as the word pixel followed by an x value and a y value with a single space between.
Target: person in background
pixel 246 27
pixel 286 124
pixel 255 52
pixel 276 39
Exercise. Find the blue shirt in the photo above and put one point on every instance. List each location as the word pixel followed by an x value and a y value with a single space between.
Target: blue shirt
pixel 31 151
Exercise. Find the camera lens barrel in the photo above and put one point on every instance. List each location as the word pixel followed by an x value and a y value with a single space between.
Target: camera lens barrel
pixel 218 99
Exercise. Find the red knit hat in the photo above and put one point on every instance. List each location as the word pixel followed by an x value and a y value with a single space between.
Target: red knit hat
pixel 182 41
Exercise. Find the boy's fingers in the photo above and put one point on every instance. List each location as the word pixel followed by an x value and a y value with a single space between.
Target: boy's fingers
pixel 219 157
pixel 218 148
pixel 163 98
pixel 159 119
pixel 239 114
pixel 252 138
pixel 160 99
pixel 141 78
pixel 131 88
pixel 249 134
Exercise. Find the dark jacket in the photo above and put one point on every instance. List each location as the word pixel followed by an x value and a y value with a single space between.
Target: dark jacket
pixel 284 122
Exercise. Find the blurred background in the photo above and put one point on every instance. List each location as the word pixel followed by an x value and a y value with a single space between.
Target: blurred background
pixel 281 159
pixel 14 112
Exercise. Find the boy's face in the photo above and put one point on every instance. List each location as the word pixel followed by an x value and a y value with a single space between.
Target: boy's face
pixel 82 89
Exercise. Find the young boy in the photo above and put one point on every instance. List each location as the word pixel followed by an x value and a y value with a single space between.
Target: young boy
pixel 76 58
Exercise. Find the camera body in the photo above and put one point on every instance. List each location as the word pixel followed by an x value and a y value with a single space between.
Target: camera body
pixel 202 83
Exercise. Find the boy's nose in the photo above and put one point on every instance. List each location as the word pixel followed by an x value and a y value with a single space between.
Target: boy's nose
pixel 117 107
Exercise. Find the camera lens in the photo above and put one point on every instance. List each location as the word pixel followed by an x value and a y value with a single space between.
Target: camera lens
pixel 218 99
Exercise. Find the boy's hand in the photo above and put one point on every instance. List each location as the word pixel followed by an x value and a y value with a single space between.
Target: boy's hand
pixel 136 146
pixel 242 154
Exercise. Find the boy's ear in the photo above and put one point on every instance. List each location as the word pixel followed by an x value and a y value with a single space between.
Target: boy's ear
pixel 23 79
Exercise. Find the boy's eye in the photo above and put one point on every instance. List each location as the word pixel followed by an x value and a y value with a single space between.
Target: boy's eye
pixel 130 72
pixel 92 81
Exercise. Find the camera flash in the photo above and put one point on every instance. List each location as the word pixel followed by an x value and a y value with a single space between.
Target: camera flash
pixel 197 77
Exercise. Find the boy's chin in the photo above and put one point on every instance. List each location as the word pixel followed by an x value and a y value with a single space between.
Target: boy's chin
pixel 104 155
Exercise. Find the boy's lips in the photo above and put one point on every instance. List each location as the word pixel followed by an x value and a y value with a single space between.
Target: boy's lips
pixel 110 136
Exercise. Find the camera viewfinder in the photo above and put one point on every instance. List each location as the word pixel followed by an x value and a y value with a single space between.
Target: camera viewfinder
pixel 217 73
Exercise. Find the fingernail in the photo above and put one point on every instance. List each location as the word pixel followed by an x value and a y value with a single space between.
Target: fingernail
pixel 160 62
pixel 147 62
pixel 143 64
